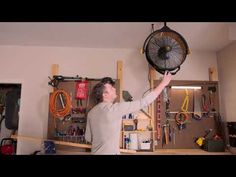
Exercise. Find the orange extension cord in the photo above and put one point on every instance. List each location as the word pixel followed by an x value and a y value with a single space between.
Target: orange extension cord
pixel 58 113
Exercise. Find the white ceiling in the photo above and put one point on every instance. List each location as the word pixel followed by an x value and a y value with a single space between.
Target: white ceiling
pixel 199 36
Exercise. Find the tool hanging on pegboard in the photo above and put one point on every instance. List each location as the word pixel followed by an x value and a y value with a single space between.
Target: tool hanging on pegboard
pixel 182 117
pixel 158 118
pixel 65 101
pixel 197 111
pixel 55 81
pixel 61 113
pixel 168 130
pixel 81 90
pixel 212 91
pixel 82 93
pixel 205 106
pixel 166 100
pixel 166 137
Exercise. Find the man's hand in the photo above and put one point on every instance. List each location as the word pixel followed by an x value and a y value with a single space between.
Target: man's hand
pixel 167 78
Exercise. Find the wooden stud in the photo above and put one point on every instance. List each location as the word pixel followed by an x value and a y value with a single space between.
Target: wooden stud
pixel 153 76
pixel 213 76
pixel 120 77
pixel 55 69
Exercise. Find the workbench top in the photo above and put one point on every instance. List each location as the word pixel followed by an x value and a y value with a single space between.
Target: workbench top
pixel 157 152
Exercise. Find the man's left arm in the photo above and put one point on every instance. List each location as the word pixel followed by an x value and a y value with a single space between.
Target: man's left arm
pixel 88 133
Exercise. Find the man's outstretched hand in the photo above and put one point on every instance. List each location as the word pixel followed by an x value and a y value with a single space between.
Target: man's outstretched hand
pixel 167 78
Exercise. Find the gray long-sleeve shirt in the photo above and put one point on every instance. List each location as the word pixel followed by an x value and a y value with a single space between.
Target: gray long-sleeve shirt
pixel 104 123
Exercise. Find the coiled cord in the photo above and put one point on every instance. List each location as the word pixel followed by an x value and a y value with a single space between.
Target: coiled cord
pixel 57 113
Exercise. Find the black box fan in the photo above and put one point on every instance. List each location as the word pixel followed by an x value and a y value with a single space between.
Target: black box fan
pixel 165 50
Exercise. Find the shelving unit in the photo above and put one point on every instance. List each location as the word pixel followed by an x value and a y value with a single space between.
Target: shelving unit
pixel 148 131
pixel 140 128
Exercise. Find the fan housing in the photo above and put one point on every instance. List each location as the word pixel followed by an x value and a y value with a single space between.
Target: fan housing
pixel 165 50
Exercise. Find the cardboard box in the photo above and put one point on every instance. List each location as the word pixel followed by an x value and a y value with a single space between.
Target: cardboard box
pixel 145 146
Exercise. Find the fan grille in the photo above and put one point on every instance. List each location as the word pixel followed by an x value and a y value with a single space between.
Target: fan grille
pixel 166 50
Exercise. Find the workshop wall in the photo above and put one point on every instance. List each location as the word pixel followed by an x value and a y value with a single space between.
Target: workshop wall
pixel 196 65
pixel 31 67
pixel 227 85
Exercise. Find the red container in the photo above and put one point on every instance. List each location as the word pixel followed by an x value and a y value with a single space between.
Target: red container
pixel 7 149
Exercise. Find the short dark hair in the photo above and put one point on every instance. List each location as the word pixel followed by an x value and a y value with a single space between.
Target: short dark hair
pixel 108 80
pixel 98 92
pixel 98 89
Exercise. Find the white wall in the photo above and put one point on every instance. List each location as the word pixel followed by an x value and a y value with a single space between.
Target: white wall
pixel 196 65
pixel 227 72
pixel 31 66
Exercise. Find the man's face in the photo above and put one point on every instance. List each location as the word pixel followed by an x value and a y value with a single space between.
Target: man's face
pixel 110 92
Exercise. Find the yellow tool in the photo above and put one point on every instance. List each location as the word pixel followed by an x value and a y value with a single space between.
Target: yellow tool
pixel 200 141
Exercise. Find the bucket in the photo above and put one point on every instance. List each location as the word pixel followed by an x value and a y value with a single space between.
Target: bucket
pixel 133 141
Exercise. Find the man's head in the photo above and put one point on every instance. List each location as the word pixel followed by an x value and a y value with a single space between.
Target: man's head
pixel 105 90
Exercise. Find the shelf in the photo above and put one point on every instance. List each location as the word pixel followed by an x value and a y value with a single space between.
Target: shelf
pixel 139 131
pixel 188 112
pixel 133 119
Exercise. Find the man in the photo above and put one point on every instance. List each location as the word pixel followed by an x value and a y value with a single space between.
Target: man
pixel 104 120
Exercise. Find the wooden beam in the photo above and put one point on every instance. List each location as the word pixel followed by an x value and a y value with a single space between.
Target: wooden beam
pixel 87 146
pixel 55 69
pixel 213 75
pixel 120 77
pixel 153 76
pixel 27 138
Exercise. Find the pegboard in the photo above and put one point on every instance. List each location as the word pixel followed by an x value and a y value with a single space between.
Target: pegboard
pixel 61 129
pixel 185 138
